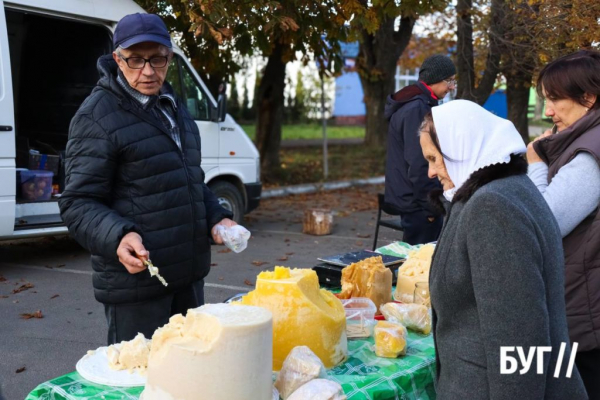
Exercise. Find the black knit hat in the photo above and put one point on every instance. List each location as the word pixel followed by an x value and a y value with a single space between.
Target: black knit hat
pixel 436 68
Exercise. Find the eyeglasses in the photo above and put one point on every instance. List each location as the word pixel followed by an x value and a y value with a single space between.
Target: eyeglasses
pixel 140 62
pixel 450 82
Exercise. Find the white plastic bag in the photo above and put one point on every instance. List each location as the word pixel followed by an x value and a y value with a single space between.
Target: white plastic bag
pixel 319 389
pixel 299 367
pixel 234 237
pixel 413 316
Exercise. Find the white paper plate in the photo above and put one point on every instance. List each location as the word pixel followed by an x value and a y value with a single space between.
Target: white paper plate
pixel 95 369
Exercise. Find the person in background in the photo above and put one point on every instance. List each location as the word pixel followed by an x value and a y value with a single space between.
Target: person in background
pixel 406 183
pixel 497 274
pixel 134 186
pixel 565 167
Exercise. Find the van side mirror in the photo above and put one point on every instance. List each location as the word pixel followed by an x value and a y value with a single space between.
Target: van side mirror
pixel 221 103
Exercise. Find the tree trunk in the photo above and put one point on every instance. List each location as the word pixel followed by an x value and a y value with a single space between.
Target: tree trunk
pixel 379 54
pixel 517 97
pixel 270 113
pixel 467 86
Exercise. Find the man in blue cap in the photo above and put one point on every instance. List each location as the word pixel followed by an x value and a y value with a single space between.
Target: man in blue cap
pixel 134 186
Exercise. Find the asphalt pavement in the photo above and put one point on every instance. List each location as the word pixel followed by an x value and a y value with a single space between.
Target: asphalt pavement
pixel 53 276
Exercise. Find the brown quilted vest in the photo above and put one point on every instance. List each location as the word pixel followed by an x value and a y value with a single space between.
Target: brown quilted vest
pixel 582 245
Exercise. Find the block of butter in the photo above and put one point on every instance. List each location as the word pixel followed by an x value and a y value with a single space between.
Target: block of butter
pixel 216 352
pixel 414 270
pixel 390 339
pixel 303 315
pixel 367 278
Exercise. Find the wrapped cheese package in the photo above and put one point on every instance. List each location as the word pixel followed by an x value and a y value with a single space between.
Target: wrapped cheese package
pixel 303 315
pixel 414 270
pixel 413 316
pixel 299 367
pixel 390 339
pixel 319 389
pixel 367 278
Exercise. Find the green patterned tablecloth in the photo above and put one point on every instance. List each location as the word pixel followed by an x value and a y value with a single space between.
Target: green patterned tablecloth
pixel 364 376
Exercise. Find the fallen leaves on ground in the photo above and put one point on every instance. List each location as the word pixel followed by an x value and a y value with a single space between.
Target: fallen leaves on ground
pixel 3 297
pixel 259 263
pixel 19 370
pixel 284 258
pixel 247 282
pixel 363 235
pixel 221 278
pixel 289 254
pixel 21 288
pixel 2 279
pixel 61 265
pixel 225 250
pixel 55 296
pixel 37 314
pixel 213 264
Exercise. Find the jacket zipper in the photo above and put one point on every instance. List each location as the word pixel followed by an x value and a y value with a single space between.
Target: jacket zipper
pixel 151 121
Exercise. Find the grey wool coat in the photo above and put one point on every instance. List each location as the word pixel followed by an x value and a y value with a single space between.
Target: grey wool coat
pixel 497 279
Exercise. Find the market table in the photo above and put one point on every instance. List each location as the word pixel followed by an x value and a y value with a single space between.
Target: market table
pixel 363 376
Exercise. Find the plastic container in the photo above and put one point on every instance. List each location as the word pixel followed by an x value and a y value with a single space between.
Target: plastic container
pixel 36 185
pixel 360 316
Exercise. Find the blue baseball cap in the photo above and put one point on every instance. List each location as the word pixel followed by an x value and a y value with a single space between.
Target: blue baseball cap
pixel 137 28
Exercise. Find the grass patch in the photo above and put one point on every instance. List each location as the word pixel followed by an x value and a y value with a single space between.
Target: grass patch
pixel 305 165
pixel 312 131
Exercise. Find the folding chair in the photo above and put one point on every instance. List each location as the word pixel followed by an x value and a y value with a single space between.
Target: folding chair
pixel 395 223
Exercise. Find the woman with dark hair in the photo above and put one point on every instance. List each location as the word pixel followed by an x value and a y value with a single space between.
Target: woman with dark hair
pixel 497 275
pixel 564 164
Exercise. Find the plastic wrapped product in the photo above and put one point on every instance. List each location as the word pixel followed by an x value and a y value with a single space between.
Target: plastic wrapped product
pixel 390 339
pixel 299 367
pixel 360 314
pixel 275 394
pixel 319 389
pixel 413 316
pixel 367 278
pixel 234 237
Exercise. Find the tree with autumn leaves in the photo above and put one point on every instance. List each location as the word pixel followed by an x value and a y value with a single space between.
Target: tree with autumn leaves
pixel 213 32
pixel 494 37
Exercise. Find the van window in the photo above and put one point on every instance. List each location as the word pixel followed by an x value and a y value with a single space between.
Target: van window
pixel 188 90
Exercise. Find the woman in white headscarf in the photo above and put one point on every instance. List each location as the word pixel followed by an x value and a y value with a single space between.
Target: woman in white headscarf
pixel 497 276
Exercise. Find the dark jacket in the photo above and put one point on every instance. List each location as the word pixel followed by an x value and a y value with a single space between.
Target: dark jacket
pixel 406 181
pixel 582 245
pixel 125 173
pixel 497 279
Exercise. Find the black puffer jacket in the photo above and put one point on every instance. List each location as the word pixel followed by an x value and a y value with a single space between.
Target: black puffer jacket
pixel 125 173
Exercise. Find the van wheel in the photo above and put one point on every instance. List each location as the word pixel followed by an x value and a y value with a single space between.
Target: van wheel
pixel 229 198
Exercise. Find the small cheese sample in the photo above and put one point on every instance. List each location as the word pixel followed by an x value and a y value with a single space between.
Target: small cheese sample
pixel 413 316
pixel 303 315
pixel 367 278
pixel 131 355
pixel 217 352
pixel 414 270
pixel 299 367
pixel 319 389
pixel 390 339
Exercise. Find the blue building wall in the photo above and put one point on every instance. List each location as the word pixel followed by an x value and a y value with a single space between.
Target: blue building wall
pixel 348 96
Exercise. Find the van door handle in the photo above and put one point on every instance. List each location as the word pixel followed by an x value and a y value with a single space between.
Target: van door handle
pixel 5 128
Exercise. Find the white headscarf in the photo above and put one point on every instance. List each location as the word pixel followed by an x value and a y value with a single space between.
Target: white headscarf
pixel 472 138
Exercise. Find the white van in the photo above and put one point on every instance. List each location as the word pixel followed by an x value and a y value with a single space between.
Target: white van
pixel 48 53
